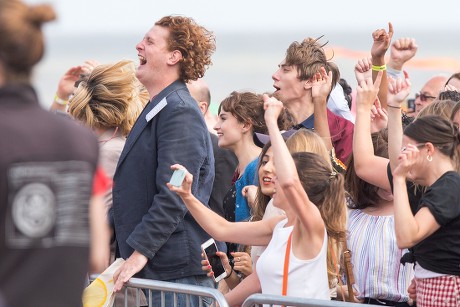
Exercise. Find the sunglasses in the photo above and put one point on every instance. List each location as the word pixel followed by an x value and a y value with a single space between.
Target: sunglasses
pixel 418 145
pixel 424 97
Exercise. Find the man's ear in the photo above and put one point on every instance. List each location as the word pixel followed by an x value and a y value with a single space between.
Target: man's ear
pixel 175 56
pixel 203 106
pixel 307 84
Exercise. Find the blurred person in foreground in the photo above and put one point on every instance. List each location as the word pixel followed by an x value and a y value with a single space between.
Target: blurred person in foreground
pixel 154 231
pixel 48 174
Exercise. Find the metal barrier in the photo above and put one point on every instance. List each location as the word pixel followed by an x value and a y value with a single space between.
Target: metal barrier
pixel 174 288
pixel 270 300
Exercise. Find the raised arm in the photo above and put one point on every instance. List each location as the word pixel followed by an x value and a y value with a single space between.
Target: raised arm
pixel 321 87
pixel 401 51
pixel 370 168
pixel 382 41
pixel 398 90
pixel 66 85
pixel 409 229
pixel 287 177
pixel 247 233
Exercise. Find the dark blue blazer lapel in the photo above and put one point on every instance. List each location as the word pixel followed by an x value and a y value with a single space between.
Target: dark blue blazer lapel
pixel 142 122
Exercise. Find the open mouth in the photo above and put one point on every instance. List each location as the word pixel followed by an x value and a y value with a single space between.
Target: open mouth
pixel 276 88
pixel 142 60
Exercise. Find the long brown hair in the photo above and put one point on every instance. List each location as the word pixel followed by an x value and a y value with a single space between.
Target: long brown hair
pixel 361 192
pixel 325 188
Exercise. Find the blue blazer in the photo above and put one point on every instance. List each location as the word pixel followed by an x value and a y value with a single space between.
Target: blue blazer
pixel 146 216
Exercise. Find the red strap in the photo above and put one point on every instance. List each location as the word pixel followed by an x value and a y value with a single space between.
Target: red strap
pixel 286 265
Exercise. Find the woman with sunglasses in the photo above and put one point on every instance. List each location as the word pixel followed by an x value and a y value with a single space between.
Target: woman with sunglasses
pixel 428 158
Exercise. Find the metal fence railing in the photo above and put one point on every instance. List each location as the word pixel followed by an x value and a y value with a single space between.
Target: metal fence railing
pixel 143 289
pixel 276 300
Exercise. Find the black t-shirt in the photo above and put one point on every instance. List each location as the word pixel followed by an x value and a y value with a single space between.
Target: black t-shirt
pixel 414 192
pixel 440 252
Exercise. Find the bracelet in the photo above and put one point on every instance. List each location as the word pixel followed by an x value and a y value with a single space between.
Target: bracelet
pixel 60 101
pixel 379 68
pixel 231 272
pixel 394 107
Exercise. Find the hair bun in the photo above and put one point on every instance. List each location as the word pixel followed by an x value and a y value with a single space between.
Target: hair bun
pixel 41 13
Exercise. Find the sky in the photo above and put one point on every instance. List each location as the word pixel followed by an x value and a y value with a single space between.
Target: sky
pixel 251 35
pixel 244 15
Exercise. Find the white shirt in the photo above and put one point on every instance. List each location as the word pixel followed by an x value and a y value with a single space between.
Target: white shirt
pixel 307 278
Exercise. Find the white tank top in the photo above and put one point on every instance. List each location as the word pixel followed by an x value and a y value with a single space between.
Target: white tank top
pixel 307 278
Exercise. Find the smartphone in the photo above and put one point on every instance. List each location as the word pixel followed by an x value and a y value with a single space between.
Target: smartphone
pixel 210 249
pixel 177 177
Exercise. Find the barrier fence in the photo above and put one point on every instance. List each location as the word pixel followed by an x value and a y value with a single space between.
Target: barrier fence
pixel 143 289
pixel 271 300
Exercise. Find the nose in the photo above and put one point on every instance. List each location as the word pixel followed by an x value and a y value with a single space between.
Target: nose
pixel 139 45
pixel 275 76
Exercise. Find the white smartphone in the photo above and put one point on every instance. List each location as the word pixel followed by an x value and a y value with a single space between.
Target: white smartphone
pixel 177 177
pixel 210 249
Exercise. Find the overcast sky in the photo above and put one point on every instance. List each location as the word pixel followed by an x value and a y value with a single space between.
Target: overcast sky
pixel 139 15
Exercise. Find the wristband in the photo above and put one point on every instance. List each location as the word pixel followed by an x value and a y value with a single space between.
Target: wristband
pixel 60 101
pixel 379 68
pixel 231 272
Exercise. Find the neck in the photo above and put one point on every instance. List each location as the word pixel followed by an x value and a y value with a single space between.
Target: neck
pixel 245 153
pixel 163 81
pixel 301 109
pixel 441 165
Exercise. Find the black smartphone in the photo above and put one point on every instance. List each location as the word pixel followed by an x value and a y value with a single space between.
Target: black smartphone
pixel 210 249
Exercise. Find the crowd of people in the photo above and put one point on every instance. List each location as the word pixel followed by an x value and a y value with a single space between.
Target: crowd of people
pixel 288 182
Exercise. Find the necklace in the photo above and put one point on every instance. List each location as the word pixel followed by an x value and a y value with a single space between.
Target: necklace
pixel 113 136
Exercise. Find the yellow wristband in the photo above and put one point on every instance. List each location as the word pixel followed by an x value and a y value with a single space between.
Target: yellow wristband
pixel 379 68
pixel 60 101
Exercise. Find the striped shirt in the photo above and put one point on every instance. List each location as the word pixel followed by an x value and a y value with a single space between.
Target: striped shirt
pixel 375 257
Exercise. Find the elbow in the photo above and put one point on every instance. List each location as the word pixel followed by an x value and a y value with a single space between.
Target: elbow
pixel 403 242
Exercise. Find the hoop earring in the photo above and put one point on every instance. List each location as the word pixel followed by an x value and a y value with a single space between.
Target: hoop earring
pixel 429 158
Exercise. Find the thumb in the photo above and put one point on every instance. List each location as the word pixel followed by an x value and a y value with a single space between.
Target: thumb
pixel 378 79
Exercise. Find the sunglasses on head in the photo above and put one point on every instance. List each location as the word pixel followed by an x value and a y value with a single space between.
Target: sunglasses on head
pixel 424 97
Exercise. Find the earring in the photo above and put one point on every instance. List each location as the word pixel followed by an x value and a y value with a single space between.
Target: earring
pixel 429 158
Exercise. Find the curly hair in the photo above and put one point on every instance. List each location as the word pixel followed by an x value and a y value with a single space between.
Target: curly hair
pixel 248 107
pixel 195 42
pixel 22 43
pixel 308 57
pixel 110 97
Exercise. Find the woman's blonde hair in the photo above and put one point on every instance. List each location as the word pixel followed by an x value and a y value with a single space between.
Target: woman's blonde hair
pixel 309 141
pixel 331 203
pixel 110 97
pixel 441 108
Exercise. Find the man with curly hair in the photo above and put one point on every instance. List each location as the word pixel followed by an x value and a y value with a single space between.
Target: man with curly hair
pixel 154 231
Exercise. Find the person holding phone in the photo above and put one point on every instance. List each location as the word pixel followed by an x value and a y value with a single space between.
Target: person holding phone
pixel 313 198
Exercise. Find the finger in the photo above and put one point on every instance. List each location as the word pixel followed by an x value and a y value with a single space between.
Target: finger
pixel 390 30
pixel 378 79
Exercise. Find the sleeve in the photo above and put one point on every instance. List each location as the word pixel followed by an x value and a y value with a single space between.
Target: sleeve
pixel 443 199
pixel 101 183
pixel 181 137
